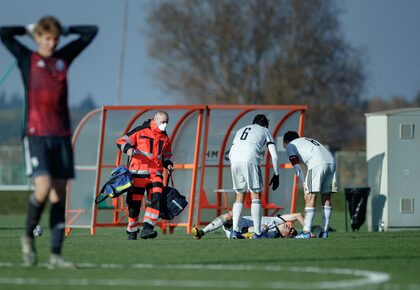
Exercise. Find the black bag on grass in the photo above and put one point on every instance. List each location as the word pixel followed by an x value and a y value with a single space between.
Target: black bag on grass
pixel 356 199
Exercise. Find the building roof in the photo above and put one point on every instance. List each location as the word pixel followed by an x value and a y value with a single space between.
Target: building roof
pixel 403 112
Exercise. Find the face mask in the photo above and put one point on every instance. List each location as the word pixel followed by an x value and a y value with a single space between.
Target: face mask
pixel 162 127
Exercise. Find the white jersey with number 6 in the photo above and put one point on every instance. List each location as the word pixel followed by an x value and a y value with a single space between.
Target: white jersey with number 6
pixel 309 151
pixel 248 143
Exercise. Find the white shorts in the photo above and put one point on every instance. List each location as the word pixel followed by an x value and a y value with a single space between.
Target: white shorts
pixel 321 179
pixel 246 176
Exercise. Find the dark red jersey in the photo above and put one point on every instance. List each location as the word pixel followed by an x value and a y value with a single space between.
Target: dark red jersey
pixel 45 79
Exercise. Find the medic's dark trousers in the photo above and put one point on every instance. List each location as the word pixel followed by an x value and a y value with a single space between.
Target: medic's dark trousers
pixel 153 184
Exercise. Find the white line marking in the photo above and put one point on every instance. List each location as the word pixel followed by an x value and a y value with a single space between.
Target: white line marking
pixel 363 277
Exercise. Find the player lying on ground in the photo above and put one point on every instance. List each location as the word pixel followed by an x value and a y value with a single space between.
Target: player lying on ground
pixel 271 227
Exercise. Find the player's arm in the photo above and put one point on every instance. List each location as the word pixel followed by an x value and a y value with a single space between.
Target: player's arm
pixel 296 167
pixel 274 160
pixel 291 217
pixel 166 155
pixel 8 37
pixel 128 141
pixel 86 34
pixel 275 179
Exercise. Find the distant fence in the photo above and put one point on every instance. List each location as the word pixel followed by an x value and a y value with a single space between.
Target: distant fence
pixel 12 169
pixel 351 169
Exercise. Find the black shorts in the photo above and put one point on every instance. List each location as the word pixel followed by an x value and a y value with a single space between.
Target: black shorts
pixel 51 156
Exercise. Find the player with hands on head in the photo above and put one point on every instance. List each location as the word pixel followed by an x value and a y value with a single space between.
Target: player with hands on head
pixel 47 132
pixel 320 177
pixel 244 156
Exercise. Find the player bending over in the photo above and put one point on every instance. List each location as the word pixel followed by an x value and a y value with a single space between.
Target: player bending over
pixel 320 177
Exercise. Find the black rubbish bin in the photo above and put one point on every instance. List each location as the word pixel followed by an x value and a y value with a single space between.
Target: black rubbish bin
pixel 356 198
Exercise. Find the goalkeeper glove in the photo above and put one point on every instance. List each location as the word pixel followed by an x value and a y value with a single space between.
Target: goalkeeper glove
pixel 274 181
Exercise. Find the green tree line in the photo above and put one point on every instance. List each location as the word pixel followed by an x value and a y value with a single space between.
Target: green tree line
pixel 12 112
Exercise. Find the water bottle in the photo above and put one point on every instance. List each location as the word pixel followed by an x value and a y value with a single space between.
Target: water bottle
pixel 381 226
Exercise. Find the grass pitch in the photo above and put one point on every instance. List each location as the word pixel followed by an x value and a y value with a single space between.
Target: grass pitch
pixel 360 260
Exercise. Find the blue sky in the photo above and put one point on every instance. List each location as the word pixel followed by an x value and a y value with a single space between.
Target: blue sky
pixel 387 30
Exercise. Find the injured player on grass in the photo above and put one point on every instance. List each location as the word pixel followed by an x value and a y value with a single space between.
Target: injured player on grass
pixel 271 227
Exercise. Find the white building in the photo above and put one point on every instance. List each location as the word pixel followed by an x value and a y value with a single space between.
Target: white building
pixel 393 160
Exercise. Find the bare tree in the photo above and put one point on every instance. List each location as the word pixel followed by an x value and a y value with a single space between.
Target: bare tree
pixel 260 52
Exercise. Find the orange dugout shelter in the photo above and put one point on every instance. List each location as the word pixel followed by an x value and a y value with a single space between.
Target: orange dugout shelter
pixel 201 138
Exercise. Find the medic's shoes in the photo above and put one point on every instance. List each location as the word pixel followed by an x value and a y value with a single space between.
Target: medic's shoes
pixel 131 236
pixel 148 234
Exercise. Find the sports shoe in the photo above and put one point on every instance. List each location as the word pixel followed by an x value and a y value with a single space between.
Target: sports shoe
pixel 28 251
pixel 148 234
pixel 131 236
pixel 323 235
pixel 236 235
pixel 57 262
pixel 303 235
pixel 260 236
pixel 198 234
pixel 249 235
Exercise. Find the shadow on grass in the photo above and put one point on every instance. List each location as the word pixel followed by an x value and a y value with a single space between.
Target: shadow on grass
pixel 290 261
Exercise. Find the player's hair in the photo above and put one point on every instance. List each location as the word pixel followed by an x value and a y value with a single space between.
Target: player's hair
pixel 48 24
pixel 293 233
pixel 261 120
pixel 290 136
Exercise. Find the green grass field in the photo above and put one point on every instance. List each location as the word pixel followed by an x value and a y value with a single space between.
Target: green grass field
pixel 360 260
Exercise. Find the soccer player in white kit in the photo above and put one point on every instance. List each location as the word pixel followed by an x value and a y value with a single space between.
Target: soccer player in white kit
pixel 320 177
pixel 244 156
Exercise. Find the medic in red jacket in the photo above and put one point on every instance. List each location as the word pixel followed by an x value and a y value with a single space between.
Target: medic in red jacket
pixel 150 149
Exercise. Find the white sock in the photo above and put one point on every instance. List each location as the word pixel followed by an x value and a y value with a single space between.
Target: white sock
pixel 217 223
pixel 256 215
pixel 309 218
pixel 236 214
pixel 326 216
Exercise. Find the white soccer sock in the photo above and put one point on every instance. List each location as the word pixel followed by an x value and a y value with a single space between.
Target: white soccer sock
pixel 256 215
pixel 236 214
pixel 326 217
pixel 309 218
pixel 217 223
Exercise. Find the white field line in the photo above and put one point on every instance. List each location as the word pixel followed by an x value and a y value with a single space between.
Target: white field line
pixel 357 277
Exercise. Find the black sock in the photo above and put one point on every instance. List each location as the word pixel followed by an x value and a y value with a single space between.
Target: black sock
pixel 57 225
pixel 35 210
